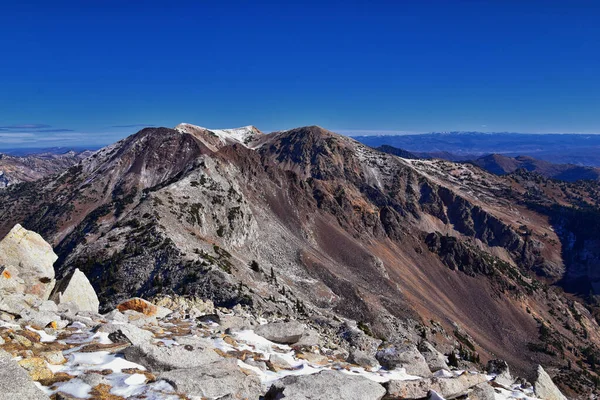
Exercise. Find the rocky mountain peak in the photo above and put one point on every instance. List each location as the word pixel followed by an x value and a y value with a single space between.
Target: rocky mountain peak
pixel 216 138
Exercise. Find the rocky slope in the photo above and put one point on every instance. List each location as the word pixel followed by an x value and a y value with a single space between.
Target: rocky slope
pixel 15 169
pixel 311 225
pixel 184 348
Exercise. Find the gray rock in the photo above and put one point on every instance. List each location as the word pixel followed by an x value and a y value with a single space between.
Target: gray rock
pixel 435 360
pixel 544 387
pixel 214 380
pixel 357 338
pixel 15 383
pixel 483 391
pixel 279 362
pixel 77 289
pixel 404 356
pixel 500 369
pixel 48 306
pixel 309 339
pixel 39 319
pixel 115 316
pixel 127 332
pixel 282 332
pixel 94 379
pixel 363 359
pixel 448 388
pixel 166 358
pixel 31 258
pixel 325 385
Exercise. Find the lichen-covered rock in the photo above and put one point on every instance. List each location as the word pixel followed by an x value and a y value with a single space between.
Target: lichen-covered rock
pixel 36 368
pixel 139 305
pixel 76 289
pixel 30 258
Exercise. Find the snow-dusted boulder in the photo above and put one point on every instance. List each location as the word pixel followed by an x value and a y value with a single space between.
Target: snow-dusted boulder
pixel 76 289
pixel 325 385
pixel 404 356
pixel 282 332
pixel 215 380
pixel 29 260
pixel 446 387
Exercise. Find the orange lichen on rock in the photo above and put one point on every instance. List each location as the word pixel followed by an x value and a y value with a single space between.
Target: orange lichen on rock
pixel 139 305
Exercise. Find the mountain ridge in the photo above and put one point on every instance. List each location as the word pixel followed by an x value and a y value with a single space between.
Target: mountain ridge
pixel 333 226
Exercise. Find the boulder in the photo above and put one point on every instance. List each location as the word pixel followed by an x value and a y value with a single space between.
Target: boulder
pixel 36 368
pixel 281 332
pixel 325 385
pixel 139 305
pixel 15 383
pixel 448 388
pixel 357 338
pixel 500 369
pixel 127 332
pixel 77 289
pixel 405 356
pixel 195 353
pixel 483 391
pixel 362 359
pixel 28 257
pixel 214 380
pixel 544 387
pixel 434 359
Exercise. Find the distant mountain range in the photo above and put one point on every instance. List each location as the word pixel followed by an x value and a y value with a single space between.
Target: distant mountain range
pixel 26 168
pixel 501 165
pixel 575 149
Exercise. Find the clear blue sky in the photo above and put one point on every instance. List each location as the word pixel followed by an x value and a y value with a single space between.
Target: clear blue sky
pixel 91 71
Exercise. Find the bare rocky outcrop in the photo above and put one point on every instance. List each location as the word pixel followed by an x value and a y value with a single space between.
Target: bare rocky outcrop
pixel 28 259
pixel 76 289
pixel 544 387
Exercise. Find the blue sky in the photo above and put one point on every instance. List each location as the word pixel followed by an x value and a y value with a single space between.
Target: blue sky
pixel 91 72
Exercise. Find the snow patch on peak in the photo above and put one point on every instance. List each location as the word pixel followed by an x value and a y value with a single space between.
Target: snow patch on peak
pixel 243 135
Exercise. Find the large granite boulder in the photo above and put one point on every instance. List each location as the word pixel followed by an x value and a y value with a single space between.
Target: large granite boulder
pixel 448 388
pixel 282 332
pixel 435 360
pixel 28 259
pixel 215 381
pixel 405 356
pixel 500 369
pixel 77 289
pixel 544 387
pixel 325 385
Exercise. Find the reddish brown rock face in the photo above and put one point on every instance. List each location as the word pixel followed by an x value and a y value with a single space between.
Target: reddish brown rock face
pixel 139 305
